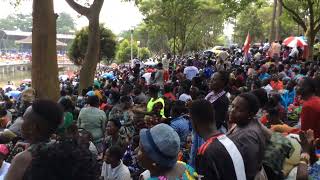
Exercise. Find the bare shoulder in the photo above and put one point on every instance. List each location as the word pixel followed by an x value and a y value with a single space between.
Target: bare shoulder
pixel 23 157
pixel 19 165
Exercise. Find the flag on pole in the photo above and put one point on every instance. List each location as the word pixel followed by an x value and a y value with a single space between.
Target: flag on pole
pixel 246 46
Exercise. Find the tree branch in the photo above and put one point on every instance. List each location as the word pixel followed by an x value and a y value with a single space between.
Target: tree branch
pixel 97 5
pixel 77 7
pixel 295 16
pixel 311 17
pixel 317 28
pixel 317 24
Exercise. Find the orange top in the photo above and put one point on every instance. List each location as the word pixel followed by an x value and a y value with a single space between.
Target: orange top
pixel 277 85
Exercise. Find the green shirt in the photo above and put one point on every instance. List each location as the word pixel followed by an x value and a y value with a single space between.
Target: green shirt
pixel 67 122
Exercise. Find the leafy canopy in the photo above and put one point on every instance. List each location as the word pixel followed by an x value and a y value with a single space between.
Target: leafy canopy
pixel 123 54
pixel 23 22
pixel 77 50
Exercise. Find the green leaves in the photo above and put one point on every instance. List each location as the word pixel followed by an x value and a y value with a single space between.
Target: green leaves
pixel 65 24
pixel 183 20
pixel 77 50
pixel 21 22
pixel 123 54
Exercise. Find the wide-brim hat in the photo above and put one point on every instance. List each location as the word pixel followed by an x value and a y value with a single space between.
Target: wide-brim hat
pixel 161 144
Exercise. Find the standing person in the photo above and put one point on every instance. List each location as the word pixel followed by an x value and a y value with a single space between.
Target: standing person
pixel 275 50
pixel 179 122
pixel 311 106
pixel 247 133
pixel 113 168
pixel 209 69
pixel 190 71
pixel 158 77
pixel 41 120
pixel 166 65
pixel 217 97
pixel 4 166
pixel 213 160
pixel 92 119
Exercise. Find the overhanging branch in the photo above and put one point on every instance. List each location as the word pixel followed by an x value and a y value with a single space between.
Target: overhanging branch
pixel 77 7
pixel 295 15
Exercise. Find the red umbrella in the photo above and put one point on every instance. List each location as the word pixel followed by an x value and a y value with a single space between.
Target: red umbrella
pixel 294 42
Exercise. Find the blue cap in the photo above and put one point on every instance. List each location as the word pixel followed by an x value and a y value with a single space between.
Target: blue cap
pixel 161 144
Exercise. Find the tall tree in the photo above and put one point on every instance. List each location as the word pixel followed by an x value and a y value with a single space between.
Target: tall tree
pixel 21 22
pixel 278 22
pixel 65 23
pixel 257 20
pixel 91 59
pixel 44 58
pixel 123 54
pixel 77 50
pixel 306 14
pixel 180 20
pixel 273 21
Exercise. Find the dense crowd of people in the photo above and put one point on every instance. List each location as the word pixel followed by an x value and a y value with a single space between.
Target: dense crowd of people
pixel 224 116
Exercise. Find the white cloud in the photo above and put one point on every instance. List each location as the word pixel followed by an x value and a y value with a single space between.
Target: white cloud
pixel 116 14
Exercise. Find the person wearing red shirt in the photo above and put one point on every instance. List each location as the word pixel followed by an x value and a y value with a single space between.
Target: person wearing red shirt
pixel 168 92
pixel 310 114
pixel 276 84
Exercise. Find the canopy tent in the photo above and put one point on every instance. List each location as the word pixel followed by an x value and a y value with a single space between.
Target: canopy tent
pixel 28 40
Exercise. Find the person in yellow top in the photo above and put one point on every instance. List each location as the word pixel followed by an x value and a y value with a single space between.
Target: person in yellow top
pixel 97 92
pixel 155 100
pixel 154 104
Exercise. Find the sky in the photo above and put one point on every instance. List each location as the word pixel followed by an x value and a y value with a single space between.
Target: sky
pixel 116 15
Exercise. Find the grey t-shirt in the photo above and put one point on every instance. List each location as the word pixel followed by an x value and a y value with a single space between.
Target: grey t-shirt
pixel 16 126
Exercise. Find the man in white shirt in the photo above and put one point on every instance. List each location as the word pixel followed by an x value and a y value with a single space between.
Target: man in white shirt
pixel 190 71
pixel 294 53
pixel 113 168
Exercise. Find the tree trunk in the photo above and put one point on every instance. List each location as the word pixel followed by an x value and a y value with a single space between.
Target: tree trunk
pixel 91 59
pixel 92 56
pixel 44 55
pixel 278 22
pixel 311 34
pixel 274 13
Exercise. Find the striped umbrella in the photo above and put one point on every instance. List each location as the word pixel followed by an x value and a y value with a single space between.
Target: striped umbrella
pixel 294 42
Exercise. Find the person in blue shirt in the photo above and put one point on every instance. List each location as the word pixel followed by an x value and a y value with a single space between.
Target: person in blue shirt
pixel 208 70
pixel 179 122
pixel 263 73
pixel 289 94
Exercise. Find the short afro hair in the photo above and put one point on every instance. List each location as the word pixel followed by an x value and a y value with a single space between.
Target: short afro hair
pixel 93 101
pixel 252 101
pixel 116 152
pixel 116 122
pixel 50 114
pixel 203 111
pixel 63 160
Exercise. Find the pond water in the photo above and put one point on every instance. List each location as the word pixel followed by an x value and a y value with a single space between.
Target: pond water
pixel 17 77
